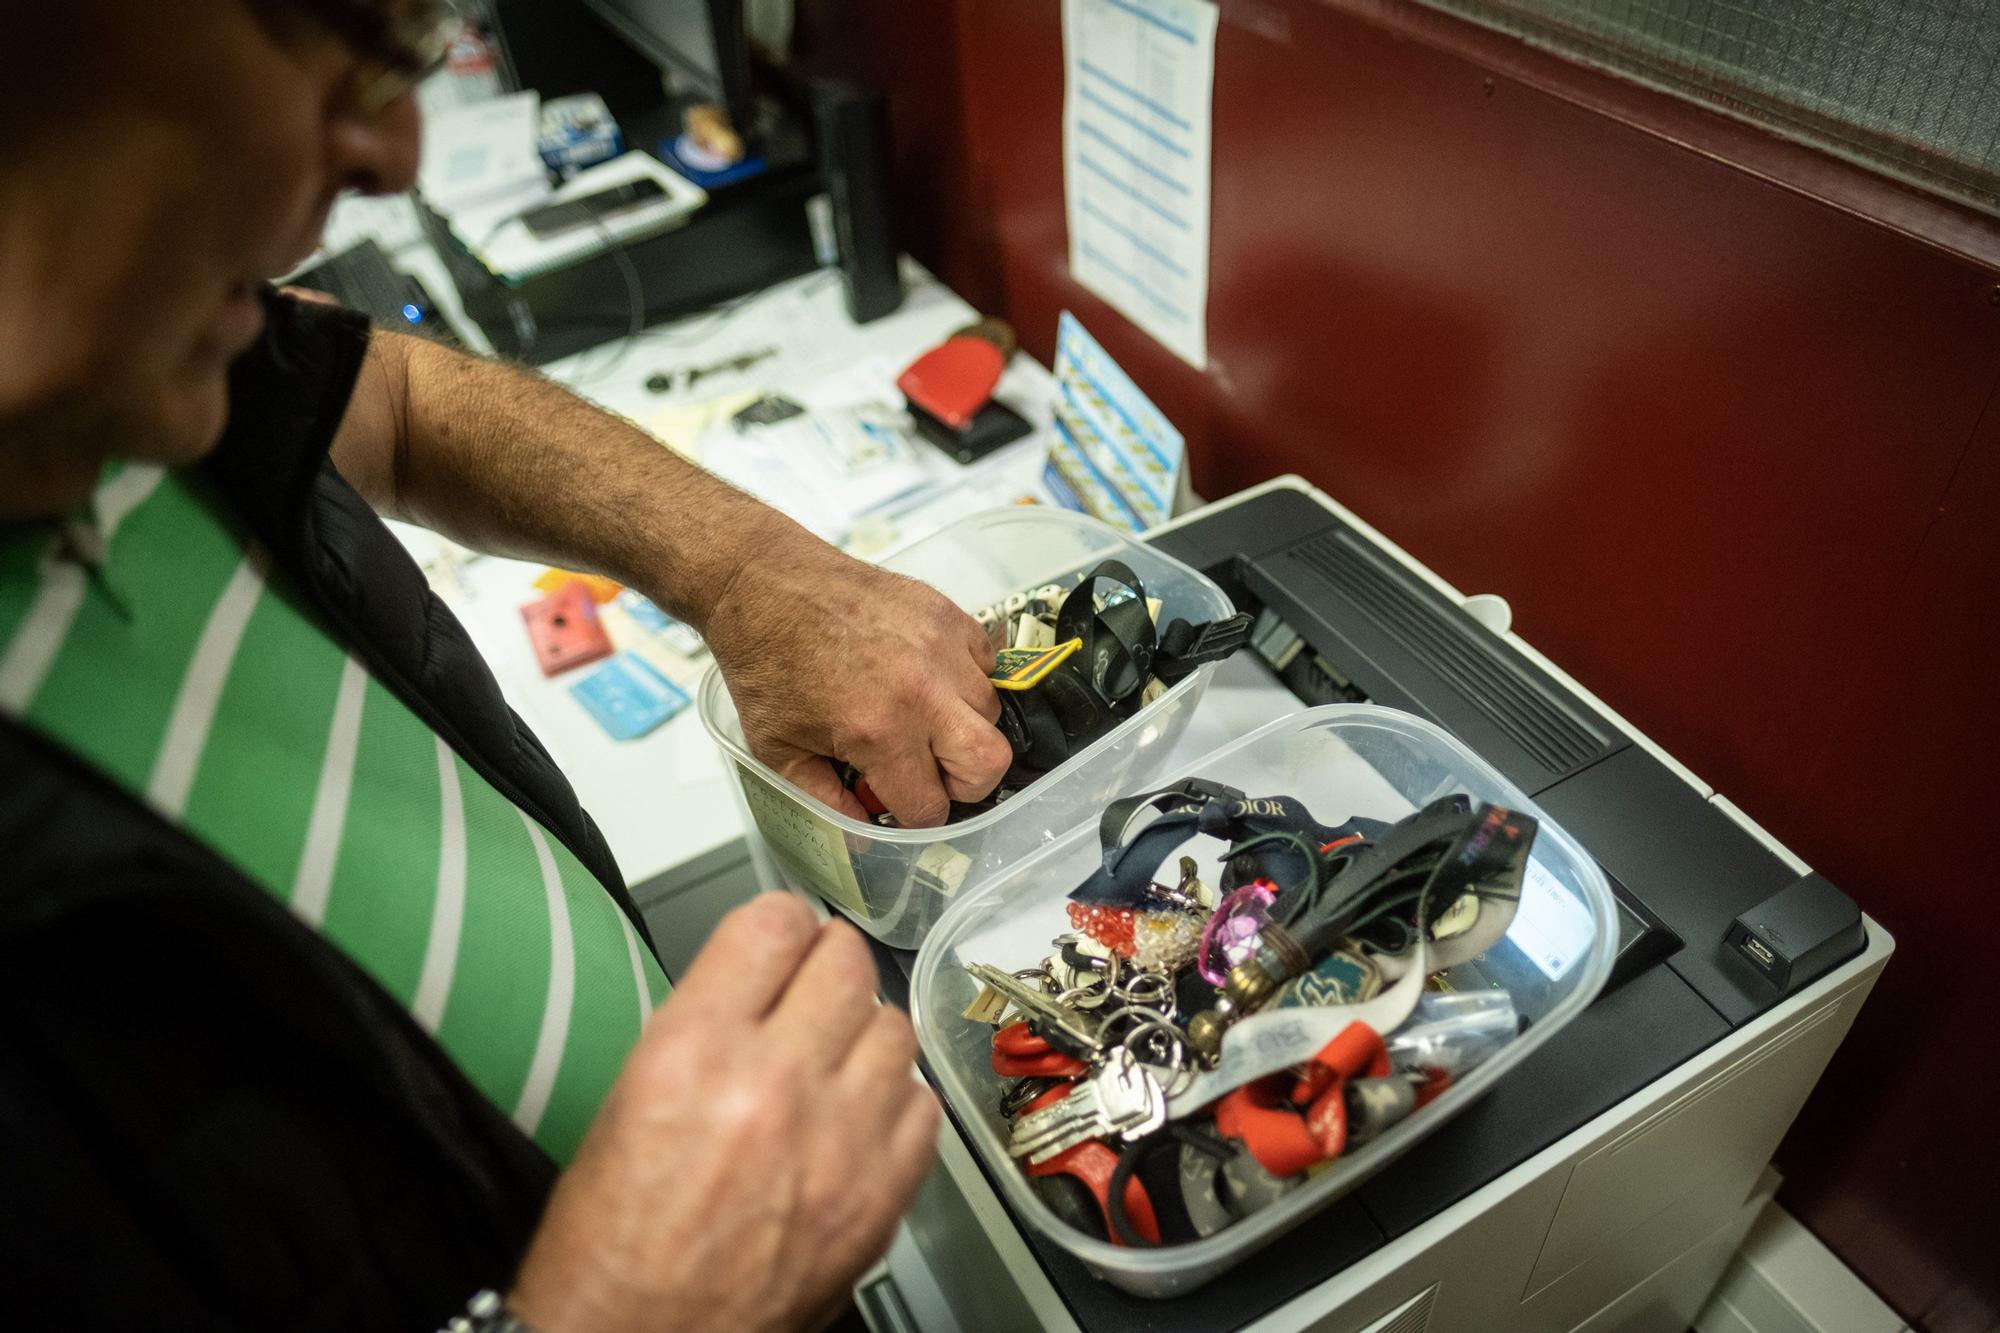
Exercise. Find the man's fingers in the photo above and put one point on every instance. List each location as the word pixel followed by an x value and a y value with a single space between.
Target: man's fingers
pixel 974 686
pixel 899 1165
pixel 912 1146
pixel 816 778
pixel 747 963
pixel 913 789
pixel 972 754
pixel 907 781
pixel 978 644
pixel 880 1062
pixel 964 759
pixel 831 999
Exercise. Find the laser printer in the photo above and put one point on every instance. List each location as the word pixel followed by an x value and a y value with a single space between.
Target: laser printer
pixel 1606 1182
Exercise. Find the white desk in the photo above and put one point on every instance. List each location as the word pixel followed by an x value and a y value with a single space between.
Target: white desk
pixel 665 799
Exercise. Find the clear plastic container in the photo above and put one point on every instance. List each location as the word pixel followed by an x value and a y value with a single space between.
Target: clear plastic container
pixel 1342 760
pixel 896 883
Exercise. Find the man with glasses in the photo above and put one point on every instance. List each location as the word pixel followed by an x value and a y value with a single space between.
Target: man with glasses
pixel 322 1002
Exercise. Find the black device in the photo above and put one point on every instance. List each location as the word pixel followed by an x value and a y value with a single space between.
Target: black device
pixel 853 125
pixel 751 233
pixel 703 44
pixel 551 220
pixel 362 278
pixel 1798 932
pixel 1103 681
pixel 995 426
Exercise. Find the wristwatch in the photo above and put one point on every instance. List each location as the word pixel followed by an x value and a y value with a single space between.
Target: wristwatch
pixel 485 1313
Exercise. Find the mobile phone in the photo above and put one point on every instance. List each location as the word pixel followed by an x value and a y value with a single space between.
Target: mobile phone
pixel 552 220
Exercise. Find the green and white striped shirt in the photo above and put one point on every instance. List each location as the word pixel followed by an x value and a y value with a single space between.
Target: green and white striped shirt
pixel 182 666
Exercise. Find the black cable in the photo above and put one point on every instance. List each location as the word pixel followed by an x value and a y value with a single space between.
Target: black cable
pixel 1315 883
pixel 1201 1142
pixel 635 297
pixel 1128 1165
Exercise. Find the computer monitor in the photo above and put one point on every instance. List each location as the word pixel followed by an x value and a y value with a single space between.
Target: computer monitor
pixel 703 41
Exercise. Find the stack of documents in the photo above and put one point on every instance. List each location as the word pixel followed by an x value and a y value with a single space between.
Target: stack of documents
pixel 482 157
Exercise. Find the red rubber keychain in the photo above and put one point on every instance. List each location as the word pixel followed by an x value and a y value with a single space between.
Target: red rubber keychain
pixel 1019 1053
pixel 1092 1163
pixel 1287 1129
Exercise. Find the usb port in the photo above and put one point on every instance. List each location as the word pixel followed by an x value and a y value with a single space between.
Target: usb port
pixel 1759 952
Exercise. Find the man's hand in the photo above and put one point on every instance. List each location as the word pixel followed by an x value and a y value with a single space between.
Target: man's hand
pixel 826 655
pixel 754 1156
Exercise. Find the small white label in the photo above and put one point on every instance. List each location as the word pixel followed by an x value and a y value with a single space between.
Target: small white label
pixel 1552 925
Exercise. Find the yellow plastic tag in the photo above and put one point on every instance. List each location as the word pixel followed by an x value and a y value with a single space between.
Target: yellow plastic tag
pixel 601 589
pixel 1024 668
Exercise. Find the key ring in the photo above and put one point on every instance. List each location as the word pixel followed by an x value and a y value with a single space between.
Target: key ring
pixel 1144 987
pixel 1142 1015
pixel 1176 1058
pixel 1037 973
pixel 1084 997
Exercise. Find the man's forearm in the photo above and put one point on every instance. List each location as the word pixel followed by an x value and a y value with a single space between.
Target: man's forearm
pixel 502 460
pixel 825 656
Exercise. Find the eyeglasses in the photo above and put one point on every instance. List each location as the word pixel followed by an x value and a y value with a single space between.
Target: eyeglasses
pixel 400 44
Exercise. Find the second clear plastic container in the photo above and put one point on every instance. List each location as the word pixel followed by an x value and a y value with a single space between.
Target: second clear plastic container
pixel 895 883
pixel 1342 760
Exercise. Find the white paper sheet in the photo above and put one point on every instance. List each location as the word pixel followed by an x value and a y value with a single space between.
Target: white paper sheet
pixel 484 155
pixel 1138 80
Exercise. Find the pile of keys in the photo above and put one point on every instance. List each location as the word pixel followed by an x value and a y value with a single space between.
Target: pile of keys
pixel 1071 664
pixel 1188 1054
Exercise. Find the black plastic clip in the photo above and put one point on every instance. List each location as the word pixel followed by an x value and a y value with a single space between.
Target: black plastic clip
pixel 1183 647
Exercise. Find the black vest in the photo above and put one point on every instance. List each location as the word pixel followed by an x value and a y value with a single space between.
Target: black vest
pixel 210 1117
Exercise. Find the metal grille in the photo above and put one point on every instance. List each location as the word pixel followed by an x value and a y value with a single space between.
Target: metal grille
pixel 1541 725
pixel 1910 88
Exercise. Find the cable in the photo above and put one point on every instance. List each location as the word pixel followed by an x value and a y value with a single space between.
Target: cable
pixel 635 297
pixel 1128 1164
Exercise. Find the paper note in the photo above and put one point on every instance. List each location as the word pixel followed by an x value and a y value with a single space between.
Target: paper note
pixel 810 846
pixel 830 469
pixel 1113 454
pixel 1137 84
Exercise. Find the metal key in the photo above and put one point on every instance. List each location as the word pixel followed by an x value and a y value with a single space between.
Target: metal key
pixel 1119 1099
pixel 1072 1032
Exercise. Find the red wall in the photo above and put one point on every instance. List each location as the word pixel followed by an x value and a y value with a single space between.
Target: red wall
pixel 1714 413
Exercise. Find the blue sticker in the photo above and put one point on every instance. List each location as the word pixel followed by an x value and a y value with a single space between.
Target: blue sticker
pixel 628 698
pixel 645 613
pixel 675 634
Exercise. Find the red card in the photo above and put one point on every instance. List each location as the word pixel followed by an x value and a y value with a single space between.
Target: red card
pixel 565 629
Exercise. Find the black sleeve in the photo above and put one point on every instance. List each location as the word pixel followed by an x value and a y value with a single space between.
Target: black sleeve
pixel 287 396
pixel 211 1118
